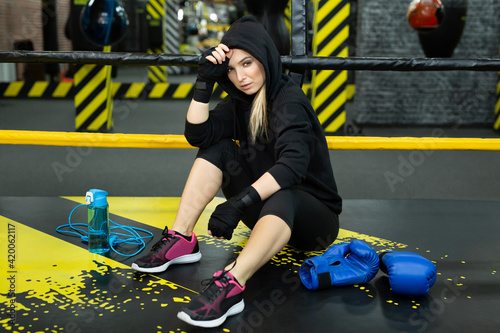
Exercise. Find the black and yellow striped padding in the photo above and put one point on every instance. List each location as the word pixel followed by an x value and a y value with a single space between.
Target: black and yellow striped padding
pixel 329 88
pixel 156 16
pixel 38 89
pixel 66 90
pixel 92 98
pixel 157 74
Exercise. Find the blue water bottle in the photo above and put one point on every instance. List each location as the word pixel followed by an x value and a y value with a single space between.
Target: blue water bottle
pixel 98 218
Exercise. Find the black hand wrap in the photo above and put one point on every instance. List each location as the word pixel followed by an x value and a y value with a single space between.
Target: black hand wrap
pixel 208 74
pixel 227 215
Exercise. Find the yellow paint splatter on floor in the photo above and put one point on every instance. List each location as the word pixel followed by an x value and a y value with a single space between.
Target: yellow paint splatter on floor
pixel 68 278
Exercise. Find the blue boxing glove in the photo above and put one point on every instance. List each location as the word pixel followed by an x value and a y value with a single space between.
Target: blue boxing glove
pixel 409 273
pixel 342 264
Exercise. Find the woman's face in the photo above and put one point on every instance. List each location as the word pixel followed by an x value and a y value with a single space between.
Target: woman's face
pixel 245 72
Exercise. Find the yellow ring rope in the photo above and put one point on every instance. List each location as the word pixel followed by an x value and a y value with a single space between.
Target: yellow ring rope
pixel 83 139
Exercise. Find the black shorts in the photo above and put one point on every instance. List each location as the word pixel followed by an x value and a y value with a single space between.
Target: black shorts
pixel 314 226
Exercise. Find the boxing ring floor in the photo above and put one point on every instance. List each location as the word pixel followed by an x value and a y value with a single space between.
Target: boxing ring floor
pixel 59 286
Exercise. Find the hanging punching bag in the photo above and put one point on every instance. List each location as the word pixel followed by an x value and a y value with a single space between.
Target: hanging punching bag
pixel 103 22
pixel 439 24
pixel 425 15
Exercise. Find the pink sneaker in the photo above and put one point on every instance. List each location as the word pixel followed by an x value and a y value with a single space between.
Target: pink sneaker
pixel 171 249
pixel 221 298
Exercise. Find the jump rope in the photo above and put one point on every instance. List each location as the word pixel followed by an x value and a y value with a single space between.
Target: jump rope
pixel 128 235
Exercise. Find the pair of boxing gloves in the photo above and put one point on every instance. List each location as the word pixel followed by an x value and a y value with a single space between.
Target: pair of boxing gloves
pixel 356 263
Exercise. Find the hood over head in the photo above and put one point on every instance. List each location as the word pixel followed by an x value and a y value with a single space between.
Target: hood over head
pixel 249 34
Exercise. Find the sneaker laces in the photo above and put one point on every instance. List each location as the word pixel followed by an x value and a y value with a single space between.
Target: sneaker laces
pixel 165 239
pixel 214 286
pixel 220 281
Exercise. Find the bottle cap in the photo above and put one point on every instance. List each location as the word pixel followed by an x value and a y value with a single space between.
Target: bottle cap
pixel 96 198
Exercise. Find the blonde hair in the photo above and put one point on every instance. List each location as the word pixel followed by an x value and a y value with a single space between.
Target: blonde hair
pixel 258 115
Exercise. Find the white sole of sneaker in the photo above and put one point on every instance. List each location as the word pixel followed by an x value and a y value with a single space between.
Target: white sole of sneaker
pixel 234 310
pixel 187 259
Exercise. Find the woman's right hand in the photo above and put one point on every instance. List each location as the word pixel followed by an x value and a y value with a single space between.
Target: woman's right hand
pixel 212 65
pixel 218 54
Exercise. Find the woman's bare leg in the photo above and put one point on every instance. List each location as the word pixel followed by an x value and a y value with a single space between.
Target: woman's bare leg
pixel 268 237
pixel 203 183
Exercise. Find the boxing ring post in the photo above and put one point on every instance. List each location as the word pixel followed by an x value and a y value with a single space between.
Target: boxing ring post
pixel 298 46
pixel 496 124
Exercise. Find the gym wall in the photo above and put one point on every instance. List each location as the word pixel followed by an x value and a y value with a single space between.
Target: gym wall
pixel 421 98
pixel 24 20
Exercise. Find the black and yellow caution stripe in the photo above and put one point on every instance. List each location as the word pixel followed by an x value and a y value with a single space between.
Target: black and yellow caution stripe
pixel 156 15
pixel 66 90
pixel 156 9
pixel 330 88
pixel 91 97
pixel 37 89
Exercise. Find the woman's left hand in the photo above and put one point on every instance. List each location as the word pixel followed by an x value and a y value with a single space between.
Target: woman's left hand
pixel 210 234
pixel 225 219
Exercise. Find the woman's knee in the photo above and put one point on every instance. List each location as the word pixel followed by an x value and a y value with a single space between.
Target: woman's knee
pixel 281 204
pixel 314 241
pixel 315 227
pixel 219 153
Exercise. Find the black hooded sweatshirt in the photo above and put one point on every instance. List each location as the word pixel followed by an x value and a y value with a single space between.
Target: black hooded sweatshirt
pixel 294 151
